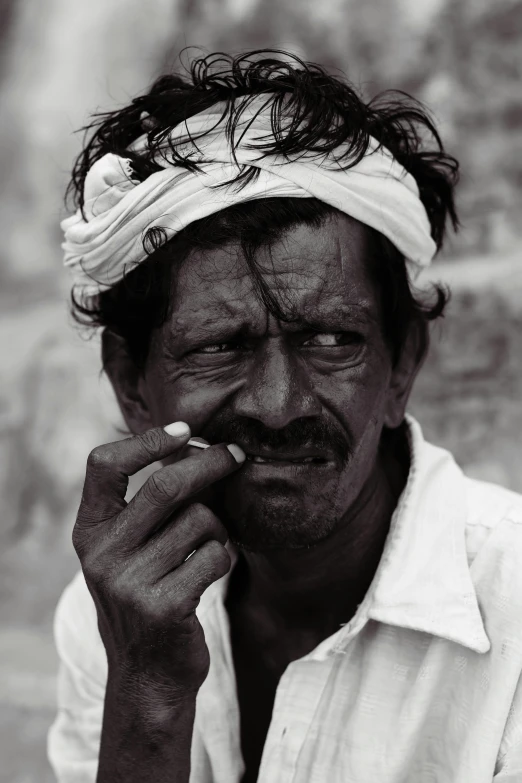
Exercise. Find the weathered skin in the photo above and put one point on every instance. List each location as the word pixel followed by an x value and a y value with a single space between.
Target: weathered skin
pixel 134 558
pixel 310 536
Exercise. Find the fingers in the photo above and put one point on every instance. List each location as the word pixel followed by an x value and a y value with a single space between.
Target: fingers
pixel 110 465
pixel 184 586
pixel 195 447
pixel 171 486
pixel 158 572
pixel 172 545
pixel 171 600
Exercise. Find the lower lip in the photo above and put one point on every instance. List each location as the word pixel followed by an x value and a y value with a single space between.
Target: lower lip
pixel 280 466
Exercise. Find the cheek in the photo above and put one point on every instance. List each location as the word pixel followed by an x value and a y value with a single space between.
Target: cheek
pixel 358 400
pixel 358 390
pixel 185 398
pixel 356 397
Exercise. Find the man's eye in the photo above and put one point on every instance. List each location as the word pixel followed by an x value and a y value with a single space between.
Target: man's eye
pixel 215 348
pixel 332 339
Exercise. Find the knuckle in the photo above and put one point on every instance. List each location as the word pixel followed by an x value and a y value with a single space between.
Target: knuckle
pixel 217 559
pixel 159 610
pixel 200 518
pixel 220 555
pixel 101 458
pixel 191 625
pixel 164 614
pixel 160 490
pixel 183 611
pixel 182 597
pixel 151 442
pixel 184 603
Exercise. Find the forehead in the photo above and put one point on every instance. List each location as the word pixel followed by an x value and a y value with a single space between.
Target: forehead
pixel 310 269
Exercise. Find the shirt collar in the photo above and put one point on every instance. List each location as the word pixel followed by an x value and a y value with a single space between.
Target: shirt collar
pixel 423 581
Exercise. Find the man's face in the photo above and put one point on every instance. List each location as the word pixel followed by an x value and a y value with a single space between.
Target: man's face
pixel 306 399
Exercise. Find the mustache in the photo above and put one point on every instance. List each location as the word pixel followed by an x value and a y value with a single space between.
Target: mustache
pixel 253 435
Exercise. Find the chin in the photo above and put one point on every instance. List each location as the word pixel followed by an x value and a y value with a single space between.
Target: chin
pixel 275 523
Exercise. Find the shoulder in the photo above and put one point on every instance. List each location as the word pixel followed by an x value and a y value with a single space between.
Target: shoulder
pixel 494 547
pixel 77 638
pixel 489 504
pixel 492 510
pixel 489 514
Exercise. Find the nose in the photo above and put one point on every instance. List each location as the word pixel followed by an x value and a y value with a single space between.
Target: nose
pixel 277 389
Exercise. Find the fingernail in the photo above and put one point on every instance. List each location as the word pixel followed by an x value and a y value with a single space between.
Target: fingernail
pixel 237 452
pixel 178 429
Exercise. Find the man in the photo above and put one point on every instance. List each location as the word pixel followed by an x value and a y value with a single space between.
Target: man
pixel 311 592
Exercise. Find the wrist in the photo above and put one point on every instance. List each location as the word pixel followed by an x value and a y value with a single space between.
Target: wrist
pixel 146 734
pixel 155 700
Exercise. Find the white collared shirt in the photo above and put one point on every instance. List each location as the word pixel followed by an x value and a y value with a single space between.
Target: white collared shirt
pixel 421 686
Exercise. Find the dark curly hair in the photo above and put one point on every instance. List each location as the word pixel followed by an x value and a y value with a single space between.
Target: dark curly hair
pixel 311 111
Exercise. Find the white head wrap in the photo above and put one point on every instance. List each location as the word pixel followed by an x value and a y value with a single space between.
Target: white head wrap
pixel 118 209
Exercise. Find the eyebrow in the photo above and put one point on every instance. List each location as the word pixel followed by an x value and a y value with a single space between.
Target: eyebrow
pixel 356 312
pixel 334 317
pixel 214 328
pixel 222 313
pixel 218 329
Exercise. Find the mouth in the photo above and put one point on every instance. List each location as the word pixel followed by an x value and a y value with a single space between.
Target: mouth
pixel 283 459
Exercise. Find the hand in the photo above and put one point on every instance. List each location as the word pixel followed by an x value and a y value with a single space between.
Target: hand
pixel 135 557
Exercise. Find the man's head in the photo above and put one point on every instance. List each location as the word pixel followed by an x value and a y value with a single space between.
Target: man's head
pixel 282 324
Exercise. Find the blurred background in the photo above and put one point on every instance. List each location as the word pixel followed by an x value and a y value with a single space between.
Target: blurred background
pixel 61 60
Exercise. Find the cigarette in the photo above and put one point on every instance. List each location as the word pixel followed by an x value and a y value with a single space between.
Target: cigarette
pixel 197 444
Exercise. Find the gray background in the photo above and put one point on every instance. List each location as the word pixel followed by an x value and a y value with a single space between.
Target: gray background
pixel 60 60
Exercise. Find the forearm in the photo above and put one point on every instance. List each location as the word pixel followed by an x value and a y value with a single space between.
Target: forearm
pixel 145 736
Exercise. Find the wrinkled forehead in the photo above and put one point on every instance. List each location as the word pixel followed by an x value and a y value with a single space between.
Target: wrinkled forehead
pixel 310 269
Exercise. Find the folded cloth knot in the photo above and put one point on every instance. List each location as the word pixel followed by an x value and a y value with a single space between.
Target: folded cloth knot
pixel 106 183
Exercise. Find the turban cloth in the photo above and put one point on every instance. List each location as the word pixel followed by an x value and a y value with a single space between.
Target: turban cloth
pixel 106 241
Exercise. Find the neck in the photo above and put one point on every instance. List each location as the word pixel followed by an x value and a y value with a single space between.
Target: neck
pixel 317 589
